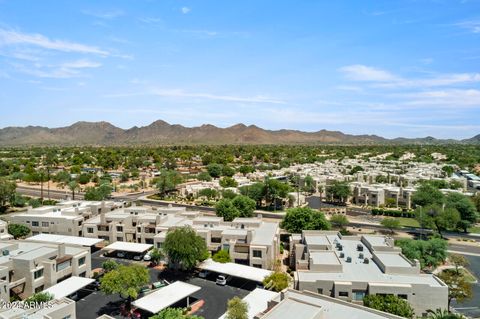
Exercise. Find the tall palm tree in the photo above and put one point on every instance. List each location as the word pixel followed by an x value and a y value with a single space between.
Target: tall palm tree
pixel 73 186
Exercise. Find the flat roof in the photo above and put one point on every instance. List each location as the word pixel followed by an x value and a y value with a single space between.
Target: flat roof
pixel 257 301
pixel 314 239
pixel 130 247
pixel 68 286
pixel 166 296
pixel 264 234
pixel 324 258
pixel 392 260
pixel 59 239
pixel 236 270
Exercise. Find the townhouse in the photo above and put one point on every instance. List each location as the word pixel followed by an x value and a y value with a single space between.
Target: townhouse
pixel 351 267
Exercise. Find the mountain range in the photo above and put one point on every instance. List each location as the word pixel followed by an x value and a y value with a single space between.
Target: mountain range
pixel 163 133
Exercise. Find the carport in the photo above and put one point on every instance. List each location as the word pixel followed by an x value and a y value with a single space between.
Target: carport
pixel 68 286
pixel 128 247
pixel 63 239
pixel 164 297
pixel 236 270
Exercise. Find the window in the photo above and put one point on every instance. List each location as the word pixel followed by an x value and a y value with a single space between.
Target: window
pixel 320 291
pixel 257 253
pixel 343 293
pixel 39 289
pixel 90 230
pixel 83 274
pixel 64 265
pixel 119 228
pixel 257 265
pixel 81 261
pixel 402 296
pixel 120 238
pixel 44 224
pixel 358 295
pixel 38 274
pixel 51 223
pixel 216 239
pixel 34 224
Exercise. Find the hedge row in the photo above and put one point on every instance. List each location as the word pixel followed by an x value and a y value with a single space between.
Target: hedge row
pixel 393 213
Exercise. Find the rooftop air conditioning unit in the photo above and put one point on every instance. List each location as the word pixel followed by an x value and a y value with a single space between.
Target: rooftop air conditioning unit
pixel 360 256
pixel 349 259
pixel 342 255
pixel 366 261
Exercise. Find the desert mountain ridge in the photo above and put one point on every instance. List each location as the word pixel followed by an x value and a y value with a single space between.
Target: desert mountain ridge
pixel 162 133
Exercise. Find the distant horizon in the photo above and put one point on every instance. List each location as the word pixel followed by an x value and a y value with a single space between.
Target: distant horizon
pixel 245 124
pixel 386 68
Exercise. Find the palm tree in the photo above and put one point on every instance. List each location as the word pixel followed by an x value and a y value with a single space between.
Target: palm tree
pixel 73 186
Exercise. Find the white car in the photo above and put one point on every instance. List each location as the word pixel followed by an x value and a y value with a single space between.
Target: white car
pixel 121 254
pixel 222 280
pixel 137 257
pixel 147 257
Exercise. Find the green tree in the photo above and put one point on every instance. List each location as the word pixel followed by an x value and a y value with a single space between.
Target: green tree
pixel 229 194
pixel 458 288
pixel 304 218
pixel 7 191
pixel 255 191
pixel 443 314
pixel 339 221
pixel 476 201
pixel 339 191
pixel 125 280
pixel 209 193
pixel 391 224
pixel 427 195
pixel 73 186
pixel 309 184
pixel 437 217
pixel 237 309
pixel 389 303
pixel 18 230
pixel 245 169
pixel 174 313
pixel 228 171
pixel 204 176
pixel 168 181
pixel 40 297
pixel 458 261
pixel 156 255
pixel 228 182
pixel 225 208
pixel 215 170
pixel 109 265
pixel 245 205
pixel 277 281
pixel 84 179
pixel 430 253
pixel 466 208
pixel 222 256
pixel 184 248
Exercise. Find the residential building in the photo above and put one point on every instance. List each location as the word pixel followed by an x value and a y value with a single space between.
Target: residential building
pixel 65 218
pixel 295 304
pixel 351 267
pixel 63 308
pixel 30 267
pixel 4 235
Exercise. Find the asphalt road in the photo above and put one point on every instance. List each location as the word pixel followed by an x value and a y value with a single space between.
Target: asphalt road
pixel 471 307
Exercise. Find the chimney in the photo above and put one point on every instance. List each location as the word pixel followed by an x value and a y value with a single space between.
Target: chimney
pixel 102 214
pixel 61 250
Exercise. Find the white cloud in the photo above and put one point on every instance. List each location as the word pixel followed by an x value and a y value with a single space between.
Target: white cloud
pixel 383 78
pixel 453 98
pixel 62 71
pixel 359 72
pixel 185 10
pixel 108 15
pixel 178 93
pixel 10 37
pixel 81 64
pixel 470 25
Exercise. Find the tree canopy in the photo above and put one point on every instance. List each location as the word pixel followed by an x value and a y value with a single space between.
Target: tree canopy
pixel 125 281
pixel 430 253
pixel 184 248
pixel 18 230
pixel 304 218
pixel 277 281
pixel 237 309
pixel 174 313
pixel 222 256
pixel 239 206
pixel 389 303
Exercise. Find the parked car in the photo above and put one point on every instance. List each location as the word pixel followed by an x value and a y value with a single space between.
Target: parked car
pixel 203 273
pixel 137 257
pixel 121 254
pixel 147 257
pixel 222 280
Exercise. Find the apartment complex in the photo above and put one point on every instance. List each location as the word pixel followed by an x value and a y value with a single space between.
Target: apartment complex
pixel 295 304
pixel 250 241
pixel 66 218
pixel 30 267
pixel 351 267
pixel 377 195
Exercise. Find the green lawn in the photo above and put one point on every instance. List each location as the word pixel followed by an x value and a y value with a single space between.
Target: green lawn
pixel 475 230
pixel 408 222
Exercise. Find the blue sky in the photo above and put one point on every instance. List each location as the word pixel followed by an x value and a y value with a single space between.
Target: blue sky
pixel 392 68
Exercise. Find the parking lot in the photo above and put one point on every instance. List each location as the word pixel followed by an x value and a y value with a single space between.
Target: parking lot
pixel 215 297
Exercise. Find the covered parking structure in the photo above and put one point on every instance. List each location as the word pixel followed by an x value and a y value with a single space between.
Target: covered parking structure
pixel 165 297
pixel 236 270
pixel 129 248
pixel 69 240
pixel 68 287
